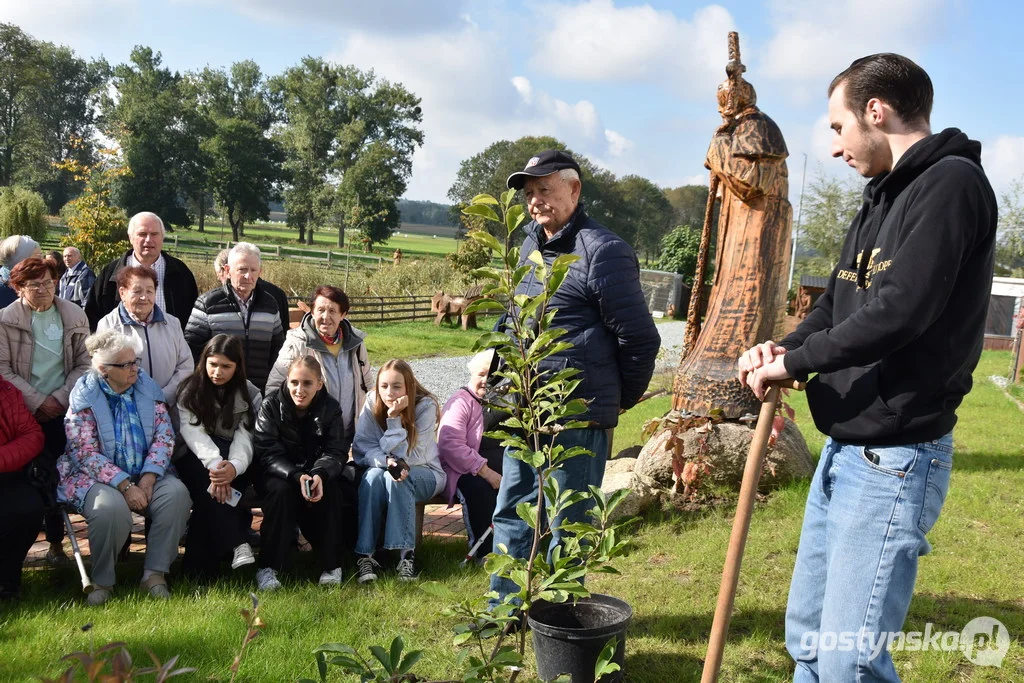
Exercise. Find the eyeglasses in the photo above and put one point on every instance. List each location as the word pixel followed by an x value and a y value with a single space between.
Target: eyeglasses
pixel 40 286
pixel 137 363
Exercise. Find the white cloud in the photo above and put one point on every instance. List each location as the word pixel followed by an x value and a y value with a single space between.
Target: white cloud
pixel 1003 160
pixel 68 21
pixel 618 144
pixel 470 99
pixel 597 41
pixel 815 40
pixel 385 16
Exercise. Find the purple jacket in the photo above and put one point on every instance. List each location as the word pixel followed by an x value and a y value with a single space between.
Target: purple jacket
pixel 458 439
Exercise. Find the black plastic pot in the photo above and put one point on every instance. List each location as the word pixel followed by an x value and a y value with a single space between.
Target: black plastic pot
pixel 568 637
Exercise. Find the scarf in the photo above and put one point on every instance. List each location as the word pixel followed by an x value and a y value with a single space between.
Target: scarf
pixel 129 436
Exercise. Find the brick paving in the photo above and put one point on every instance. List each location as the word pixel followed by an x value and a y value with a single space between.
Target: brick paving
pixel 437 521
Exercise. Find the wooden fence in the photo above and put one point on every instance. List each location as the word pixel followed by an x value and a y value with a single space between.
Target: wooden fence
pixel 377 309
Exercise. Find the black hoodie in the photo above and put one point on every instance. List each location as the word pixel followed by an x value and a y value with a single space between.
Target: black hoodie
pixel 896 335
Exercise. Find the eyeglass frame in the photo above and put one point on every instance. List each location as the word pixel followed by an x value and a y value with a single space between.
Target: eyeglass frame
pixel 137 363
pixel 41 286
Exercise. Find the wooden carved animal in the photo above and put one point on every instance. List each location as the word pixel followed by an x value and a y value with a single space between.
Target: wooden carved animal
pixel 446 306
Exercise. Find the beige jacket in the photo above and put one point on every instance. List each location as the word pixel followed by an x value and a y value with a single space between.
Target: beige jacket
pixel 17 344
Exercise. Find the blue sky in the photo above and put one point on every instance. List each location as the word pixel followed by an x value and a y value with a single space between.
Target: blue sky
pixel 629 84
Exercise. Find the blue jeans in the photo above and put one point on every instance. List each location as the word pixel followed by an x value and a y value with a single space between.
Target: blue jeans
pixel 519 484
pixel 380 494
pixel 864 528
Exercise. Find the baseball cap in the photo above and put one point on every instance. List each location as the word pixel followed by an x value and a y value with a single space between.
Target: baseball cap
pixel 545 163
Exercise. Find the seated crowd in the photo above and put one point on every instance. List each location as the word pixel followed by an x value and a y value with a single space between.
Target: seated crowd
pixel 190 409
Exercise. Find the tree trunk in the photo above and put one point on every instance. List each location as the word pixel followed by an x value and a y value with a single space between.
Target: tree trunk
pixel 202 211
pixel 341 235
pixel 302 233
pixel 309 235
pixel 235 225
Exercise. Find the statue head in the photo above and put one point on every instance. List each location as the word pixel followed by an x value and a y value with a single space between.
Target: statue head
pixel 733 98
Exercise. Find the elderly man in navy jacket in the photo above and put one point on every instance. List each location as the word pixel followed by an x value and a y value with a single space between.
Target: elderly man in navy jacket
pixel 614 341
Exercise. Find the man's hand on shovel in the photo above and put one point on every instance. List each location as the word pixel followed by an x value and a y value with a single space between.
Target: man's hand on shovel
pixel 760 365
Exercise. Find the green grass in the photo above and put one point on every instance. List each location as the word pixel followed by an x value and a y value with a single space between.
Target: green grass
pixel 419 340
pixel 670 577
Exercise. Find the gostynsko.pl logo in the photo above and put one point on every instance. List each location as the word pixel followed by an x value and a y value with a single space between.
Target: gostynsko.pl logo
pixel 983 641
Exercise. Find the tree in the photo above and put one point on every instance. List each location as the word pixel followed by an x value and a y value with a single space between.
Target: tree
pixel 1010 233
pixel 829 206
pixel 97 227
pixel 679 251
pixel 20 70
pixel 22 212
pixel 159 131
pixel 337 120
pixel 650 214
pixel 689 202
pixel 245 166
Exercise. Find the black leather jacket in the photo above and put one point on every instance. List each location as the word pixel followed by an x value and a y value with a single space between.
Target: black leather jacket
pixel 288 446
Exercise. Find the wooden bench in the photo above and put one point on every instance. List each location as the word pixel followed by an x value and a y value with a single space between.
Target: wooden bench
pixel 421 509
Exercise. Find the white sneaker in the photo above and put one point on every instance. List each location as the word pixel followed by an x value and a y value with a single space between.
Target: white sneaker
pixel 243 556
pixel 331 578
pixel 266 579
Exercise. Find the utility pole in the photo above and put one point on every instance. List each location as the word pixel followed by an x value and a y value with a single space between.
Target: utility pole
pixel 796 231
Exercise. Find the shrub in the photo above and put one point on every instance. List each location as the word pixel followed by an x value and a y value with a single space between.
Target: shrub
pixel 22 212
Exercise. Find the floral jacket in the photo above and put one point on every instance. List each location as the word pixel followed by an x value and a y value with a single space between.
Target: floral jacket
pixel 90 431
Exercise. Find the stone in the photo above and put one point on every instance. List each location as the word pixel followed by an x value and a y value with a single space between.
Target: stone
pixel 620 465
pixel 642 494
pixel 728 444
pixel 655 459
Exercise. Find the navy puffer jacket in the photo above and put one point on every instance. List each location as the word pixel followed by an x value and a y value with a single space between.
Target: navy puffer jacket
pixel 603 310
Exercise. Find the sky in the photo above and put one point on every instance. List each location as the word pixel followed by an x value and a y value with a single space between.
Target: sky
pixel 631 85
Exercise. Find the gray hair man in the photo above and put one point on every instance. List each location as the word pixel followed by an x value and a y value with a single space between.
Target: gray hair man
pixel 78 279
pixel 176 288
pixel 602 309
pixel 243 308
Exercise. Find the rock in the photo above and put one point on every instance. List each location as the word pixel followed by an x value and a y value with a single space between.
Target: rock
pixel 631 452
pixel 727 446
pixel 655 459
pixel 641 492
pixel 620 465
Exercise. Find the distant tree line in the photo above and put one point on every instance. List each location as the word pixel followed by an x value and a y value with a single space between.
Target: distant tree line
pixel 332 142
pixel 427 213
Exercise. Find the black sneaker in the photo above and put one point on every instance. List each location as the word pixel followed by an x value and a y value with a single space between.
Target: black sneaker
pixel 366 569
pixel 407 568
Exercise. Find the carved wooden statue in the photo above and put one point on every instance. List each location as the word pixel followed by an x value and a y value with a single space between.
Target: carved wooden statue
pixel 748 157
pixel 446 306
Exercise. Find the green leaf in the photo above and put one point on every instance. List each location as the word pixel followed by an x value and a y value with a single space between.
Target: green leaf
pixel 382 657
pixel 397 645
pixel 605 665
pixel 536 258
pixel 409 661
pixel 485 238
pixel 528 513
pixel 484 199
pixel 483 211
pixel 514 217
pixel 490 339
pixel 484 305
pixel 438 590
pixel 507 196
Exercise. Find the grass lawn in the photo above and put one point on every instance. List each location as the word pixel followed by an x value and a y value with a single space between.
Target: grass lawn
pixel 420 340
pixel 670 578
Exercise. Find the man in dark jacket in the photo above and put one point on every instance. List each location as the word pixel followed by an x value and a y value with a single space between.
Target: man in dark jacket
pixel 77 280
pixel 894 340
pixel 614 340
pixel 242 308
pixel 176 288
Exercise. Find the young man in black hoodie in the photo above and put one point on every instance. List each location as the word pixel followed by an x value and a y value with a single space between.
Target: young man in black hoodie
pixel 893 341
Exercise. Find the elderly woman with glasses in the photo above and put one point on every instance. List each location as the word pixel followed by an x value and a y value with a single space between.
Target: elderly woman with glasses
pixel 42 353
pixel 118 461
pixel 166 356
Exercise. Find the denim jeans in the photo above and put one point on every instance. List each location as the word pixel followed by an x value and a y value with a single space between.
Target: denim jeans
pixel 380 494
pixel 864 528
pixel 519 484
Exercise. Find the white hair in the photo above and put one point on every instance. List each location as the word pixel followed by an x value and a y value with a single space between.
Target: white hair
pixel 141 216
pixel 105 345
pixel 220 260
pixel 481 360
pixel 569 175
pixel 245 249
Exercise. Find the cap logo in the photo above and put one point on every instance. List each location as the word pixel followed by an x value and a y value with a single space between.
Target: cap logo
pixel 532 162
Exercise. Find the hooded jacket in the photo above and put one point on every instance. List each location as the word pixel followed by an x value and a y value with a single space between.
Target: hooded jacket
pixel 288 446
pixel 900 327
pixel 304 340
pixel 21 437
pixel 604 313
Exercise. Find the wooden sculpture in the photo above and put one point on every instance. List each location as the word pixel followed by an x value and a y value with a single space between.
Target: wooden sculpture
pixel 747 160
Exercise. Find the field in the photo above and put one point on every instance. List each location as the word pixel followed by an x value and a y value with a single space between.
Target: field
pixel 670 578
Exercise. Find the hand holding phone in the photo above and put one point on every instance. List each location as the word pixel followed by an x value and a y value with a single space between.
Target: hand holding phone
pixel 307 488
pixel 396 467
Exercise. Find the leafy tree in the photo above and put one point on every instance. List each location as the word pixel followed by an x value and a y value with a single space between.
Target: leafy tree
pixel 425 212
pixel 650 213
pixel 159 131
pixel 95 225
pixel 22 212
pixel 245 166
pixel 20 70
pixel 470 255
pixel 689 202
pixel 679 251
pixel 1010 234
pixel 829 206
pixel 337 120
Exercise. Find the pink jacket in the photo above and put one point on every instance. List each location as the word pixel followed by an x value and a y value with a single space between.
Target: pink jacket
pixel 458 439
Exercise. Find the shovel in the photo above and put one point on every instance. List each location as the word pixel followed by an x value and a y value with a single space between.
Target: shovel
pixel 740 527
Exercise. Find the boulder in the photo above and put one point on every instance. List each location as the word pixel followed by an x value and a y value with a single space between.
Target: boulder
pixel 655 459
pixel 642 493
pixel 619 465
